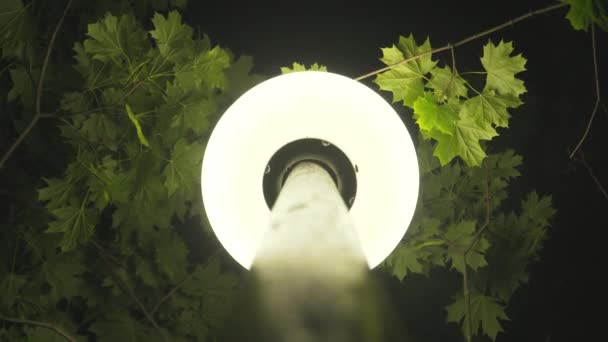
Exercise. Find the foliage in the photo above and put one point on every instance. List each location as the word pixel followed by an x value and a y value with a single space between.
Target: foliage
pixel 108 239
pixel 103 236
pixel 300 67
pixel 440 96
pixel 453 205
pixel 583 13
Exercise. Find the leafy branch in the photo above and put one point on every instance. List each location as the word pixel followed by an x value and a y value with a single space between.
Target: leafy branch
pixel 123 284
pixel 467 295
pixel 464 41
pixel 39 87
pixel 58 330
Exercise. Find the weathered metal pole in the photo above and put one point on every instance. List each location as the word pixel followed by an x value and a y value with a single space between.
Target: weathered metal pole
pixel 310 264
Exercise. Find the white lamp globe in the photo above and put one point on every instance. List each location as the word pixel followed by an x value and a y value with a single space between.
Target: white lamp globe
pixel 302 105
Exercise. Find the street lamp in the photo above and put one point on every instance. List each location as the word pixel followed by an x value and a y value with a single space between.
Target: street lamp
pixel 312 127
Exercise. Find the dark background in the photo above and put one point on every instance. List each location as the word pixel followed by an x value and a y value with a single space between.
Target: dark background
pixel 563 300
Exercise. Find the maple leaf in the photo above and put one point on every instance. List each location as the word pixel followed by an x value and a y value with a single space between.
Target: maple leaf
pixel 485 313
pixel 17 30
pixel 121 326
pixel 12 283
pixel 208 279
pixel 405 80
pixel 501 68
pixel 446 85
pixel 405 85
pixel 403 260
pixel 464 142
pixel 173 38
pixel 23 88
pixel 100 128
pixel 64 273
pixel 427 162
pixel 239 78
pixel 407 47
pixel 490 108
pixel 301 67
pixel 429 115
pixel 144 270
pixel 459 237
pixel 170 254
pixel 56 193
pixel 115 39
pixel 583 13
pixel 183 167
pixel 75 222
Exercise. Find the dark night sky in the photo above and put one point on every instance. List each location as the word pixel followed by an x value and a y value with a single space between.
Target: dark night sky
pixel 562 298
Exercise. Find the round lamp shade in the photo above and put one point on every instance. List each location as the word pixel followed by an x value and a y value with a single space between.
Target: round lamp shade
pixel 310 105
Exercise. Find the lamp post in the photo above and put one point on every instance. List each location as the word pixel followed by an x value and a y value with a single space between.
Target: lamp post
pixel 310 178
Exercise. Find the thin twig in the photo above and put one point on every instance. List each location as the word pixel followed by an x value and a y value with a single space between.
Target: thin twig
pixel 466 40
pixel 597 92
pixel 486 224
pixel 170 293
pixel 45 64
pixel 581 159
pixel 58 330
pixel 129 290
pixel 181 283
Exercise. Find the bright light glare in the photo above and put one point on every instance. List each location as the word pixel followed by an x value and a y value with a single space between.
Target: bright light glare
pixel 318 105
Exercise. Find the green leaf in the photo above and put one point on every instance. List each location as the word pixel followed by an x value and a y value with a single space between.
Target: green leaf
pixel 209 280
pixel 64 273
pixel 430 115
pixel 100 128
pixel 485 313
pixel 239 78
pixel 57 192
pixel 145 272
pixel 120 326
pixel 407 47
pixel 75 222
pixel 173 38
pixel 208 69
pixel 446 85
pixel 583 13
pixel 405 85
pixel 23 88
pixel 184 167
pixel 460 236
pixel 501 69
pixel 116 39
pixel 405 80
pixel 490 108
pixel 404 260
pixel 11 285
pixel 17 30
pixel 301 67
pixel 464 142
pixel 135 121
pixel 171 253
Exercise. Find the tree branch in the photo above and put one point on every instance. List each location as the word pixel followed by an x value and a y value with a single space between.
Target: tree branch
pixel 58 330
pixel 45 64
pixel 466 40
pixel 170 293
pixel 476 238
pixel 597 93
pixel 129 291
pixel 581 159
pixel 181 283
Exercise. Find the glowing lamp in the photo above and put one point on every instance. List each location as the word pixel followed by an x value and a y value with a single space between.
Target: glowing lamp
pixel 332 120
